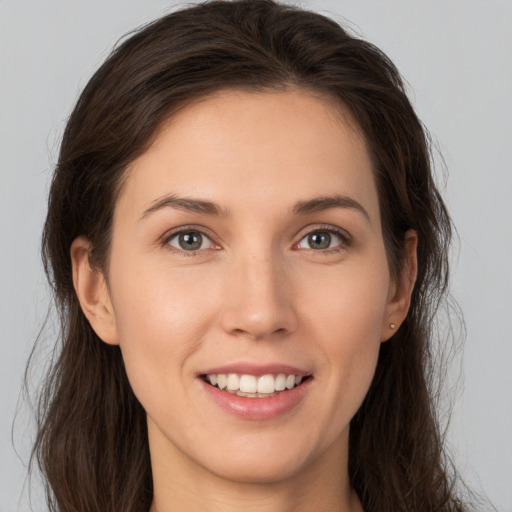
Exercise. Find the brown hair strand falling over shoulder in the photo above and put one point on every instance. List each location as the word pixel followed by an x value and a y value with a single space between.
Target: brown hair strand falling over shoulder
pixel 92 442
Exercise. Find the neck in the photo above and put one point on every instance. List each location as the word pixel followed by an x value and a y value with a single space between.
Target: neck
pixel 180 484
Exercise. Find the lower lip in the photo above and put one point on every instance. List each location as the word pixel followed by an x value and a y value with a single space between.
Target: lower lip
pixel 257 408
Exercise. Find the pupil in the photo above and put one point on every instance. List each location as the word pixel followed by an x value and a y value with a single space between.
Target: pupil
pixel 320 240
pixel 190 241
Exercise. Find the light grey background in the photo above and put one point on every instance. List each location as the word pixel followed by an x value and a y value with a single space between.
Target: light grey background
pixel 456 55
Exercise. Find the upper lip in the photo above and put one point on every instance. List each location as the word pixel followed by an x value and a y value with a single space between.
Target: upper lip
pixel 245 368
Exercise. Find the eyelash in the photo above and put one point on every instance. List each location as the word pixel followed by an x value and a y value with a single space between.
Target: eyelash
pixel 331 230
pixel 183 230
pixel 346 240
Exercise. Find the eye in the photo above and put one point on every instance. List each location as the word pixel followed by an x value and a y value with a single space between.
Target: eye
pixel 190 241
pixel 322 239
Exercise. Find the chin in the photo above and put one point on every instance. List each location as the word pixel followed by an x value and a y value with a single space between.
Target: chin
pixel 261 461
pixel 259 471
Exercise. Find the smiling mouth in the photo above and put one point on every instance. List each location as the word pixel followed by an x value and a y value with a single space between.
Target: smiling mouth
pixel 251 386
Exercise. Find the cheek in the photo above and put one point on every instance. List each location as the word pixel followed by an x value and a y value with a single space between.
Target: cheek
pixel 349 303
pixel 345 319
pixel 161 321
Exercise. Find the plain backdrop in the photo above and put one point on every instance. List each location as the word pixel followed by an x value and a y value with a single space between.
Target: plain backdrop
pixel 456 56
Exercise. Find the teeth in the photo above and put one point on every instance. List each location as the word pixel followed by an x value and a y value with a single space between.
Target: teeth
pixel 221 380
pixel 281 382
pixel 248 384
pixel 233 382
pixel 252 386
pixel 266 384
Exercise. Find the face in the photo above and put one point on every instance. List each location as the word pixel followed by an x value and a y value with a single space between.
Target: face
pixel 247 252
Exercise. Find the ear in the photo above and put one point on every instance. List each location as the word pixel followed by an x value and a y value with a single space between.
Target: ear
pixel 400 290
pixel 92 292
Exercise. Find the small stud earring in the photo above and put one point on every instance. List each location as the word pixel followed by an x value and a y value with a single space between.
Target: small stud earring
pixel 392 326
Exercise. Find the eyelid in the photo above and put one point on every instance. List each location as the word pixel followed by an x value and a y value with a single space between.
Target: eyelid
pixel 343 234
pixel 168 235
pixel 308 230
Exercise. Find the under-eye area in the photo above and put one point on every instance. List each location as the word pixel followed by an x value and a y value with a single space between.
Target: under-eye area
pixel 252 386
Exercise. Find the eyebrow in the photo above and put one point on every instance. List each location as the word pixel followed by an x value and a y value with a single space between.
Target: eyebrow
pixel 200 206
pixel 188 204
pixel 319 204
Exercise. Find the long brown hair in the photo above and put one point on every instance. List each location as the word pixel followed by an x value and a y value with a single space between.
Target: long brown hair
pixel 92 444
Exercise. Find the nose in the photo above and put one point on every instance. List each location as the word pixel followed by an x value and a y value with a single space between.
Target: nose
pixel 258 299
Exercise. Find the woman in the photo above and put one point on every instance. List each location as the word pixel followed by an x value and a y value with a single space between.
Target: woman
pixel 247 248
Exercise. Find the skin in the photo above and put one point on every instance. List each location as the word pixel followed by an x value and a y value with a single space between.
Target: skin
pixel 255 292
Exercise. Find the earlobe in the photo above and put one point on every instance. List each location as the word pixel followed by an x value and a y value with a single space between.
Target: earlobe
pixel 401 290
pixel 92 293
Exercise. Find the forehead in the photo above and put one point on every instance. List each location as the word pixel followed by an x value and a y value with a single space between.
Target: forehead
pixel 245 149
